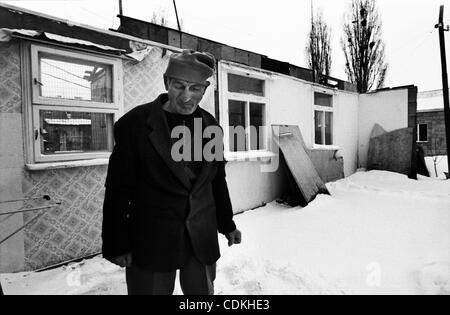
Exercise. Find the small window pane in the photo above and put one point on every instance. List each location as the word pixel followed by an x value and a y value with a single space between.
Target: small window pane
pixel 318 126
pixel 321 99
pixel 237 118
pixel 423 132
pixel 257 121
pixel 74 79
pixel 75 132
pixel 328 128
pixel 245 85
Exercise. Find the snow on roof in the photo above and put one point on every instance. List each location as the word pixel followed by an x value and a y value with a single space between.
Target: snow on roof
pixel 68 122
pixel 430 100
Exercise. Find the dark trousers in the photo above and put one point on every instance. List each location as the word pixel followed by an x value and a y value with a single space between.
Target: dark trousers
pixel 195 279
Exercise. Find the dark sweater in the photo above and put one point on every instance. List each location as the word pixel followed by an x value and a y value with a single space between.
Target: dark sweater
pixel 192 167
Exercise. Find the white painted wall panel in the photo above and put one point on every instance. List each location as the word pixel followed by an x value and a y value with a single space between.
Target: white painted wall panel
pixel 387 108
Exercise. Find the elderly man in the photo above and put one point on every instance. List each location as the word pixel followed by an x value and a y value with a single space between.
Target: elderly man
pixel 161 214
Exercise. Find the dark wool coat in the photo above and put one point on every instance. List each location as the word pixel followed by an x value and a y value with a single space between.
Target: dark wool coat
pixel 151 209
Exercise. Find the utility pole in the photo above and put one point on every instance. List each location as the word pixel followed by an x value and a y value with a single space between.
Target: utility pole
pixel 178 23
pixel 120 12
pixel 176 14
pixel 441 28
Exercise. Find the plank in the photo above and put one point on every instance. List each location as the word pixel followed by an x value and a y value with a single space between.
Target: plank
pixel 291 143
pixel 377 131
pixel 392 151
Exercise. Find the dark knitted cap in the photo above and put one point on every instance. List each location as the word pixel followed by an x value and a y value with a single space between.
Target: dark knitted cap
pixel 192 66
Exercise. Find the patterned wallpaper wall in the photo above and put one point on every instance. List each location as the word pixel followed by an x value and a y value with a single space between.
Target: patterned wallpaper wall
pixel 68 231
pixel 143 81
pixel 73 230
pixel 10 86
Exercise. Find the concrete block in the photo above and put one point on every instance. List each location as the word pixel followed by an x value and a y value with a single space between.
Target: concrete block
pixel 254 60
pixel 242 56
pixel 189 42
pixel 211 47
pixel 174 38
pixel 228 53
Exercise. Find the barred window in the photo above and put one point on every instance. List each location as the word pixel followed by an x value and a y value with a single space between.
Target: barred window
pixel 75 101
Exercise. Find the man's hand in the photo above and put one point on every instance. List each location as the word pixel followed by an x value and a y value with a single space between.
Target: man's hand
pixel 122 261
pixel 234 237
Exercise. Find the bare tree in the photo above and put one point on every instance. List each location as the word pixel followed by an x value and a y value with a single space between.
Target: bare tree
pixel 363 48
pixel 160 17
pixel 318 50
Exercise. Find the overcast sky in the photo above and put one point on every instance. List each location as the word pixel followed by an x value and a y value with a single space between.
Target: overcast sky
pixel 279 28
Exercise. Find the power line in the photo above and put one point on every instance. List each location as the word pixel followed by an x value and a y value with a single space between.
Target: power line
pixel 71 82
pixel 95 14
pixel 68 72
pixel 420 41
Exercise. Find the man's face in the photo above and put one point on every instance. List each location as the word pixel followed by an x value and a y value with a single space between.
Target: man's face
pixel 184 96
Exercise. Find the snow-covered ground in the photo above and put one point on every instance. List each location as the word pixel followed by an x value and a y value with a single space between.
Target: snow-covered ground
pixel 379 233
pixel 441 165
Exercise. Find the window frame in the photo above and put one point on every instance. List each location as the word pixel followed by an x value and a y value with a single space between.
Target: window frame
pixel 324 109
pixel 41 100
pixel 40 157
pixel 418 133
pixel 226 96
pixel 34 102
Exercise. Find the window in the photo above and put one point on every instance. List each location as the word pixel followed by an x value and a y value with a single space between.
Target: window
pixel 323 119
pixel 245 99
pixel 75 99
pixel 422 133
pixel 245 85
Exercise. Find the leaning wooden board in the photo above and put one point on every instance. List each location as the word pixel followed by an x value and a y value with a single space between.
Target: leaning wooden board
pixel 291 143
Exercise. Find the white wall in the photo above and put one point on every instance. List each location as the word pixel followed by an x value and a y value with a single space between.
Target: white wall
pixel 389 109
pixel 291 103
pixel 249 187
pixel 346 129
